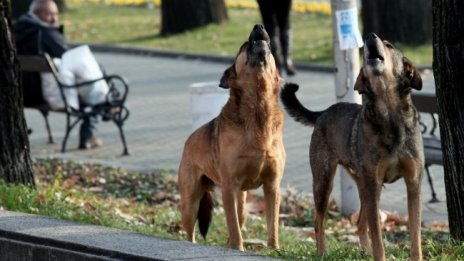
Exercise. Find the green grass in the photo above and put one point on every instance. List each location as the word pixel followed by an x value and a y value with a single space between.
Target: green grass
pixel 147 203
pixel 137 26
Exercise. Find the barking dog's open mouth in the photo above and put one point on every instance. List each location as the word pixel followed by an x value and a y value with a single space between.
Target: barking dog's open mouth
pixel 258 48
pixel 374 53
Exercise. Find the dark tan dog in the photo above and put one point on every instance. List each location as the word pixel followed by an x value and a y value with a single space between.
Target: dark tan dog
pixel 239 150
pixel 378 142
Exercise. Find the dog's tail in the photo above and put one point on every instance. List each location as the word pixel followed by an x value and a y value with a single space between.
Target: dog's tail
pixel 294 107
pixel 205 213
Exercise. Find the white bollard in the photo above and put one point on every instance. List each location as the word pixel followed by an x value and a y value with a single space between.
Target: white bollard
pixel 207 100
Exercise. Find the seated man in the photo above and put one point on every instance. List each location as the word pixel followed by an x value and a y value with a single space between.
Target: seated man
pixel 39 32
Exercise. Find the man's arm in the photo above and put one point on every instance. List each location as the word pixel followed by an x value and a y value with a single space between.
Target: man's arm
pixel 53 42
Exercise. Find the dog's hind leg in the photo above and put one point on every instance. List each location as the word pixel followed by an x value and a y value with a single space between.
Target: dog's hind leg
pixel 323 169
pixel 191 193
pixel 241 207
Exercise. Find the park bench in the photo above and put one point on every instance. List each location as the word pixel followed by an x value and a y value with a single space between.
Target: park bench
pixel 112 109
pixel 426 104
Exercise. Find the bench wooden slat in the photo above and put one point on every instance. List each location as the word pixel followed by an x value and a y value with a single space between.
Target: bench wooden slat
pixel 32 63
pixel 425 102
pixel 432 151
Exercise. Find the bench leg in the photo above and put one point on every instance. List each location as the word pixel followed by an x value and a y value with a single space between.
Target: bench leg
pixel 125 151
pixel 119 119
pixel 119 123
pixel 69 128
pixel 429 177
pixel 47 125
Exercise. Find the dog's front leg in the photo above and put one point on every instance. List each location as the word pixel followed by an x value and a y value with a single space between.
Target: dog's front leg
pixel 230 208
pixel 364 240
pixel 412 179
pixel 371 194
pixel 272 199
pixel 241 208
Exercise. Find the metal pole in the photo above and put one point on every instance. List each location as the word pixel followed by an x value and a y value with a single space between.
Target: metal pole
pixel 347 69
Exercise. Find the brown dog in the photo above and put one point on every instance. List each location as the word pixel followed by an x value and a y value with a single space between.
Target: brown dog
pixel 240 149
pixel 377 143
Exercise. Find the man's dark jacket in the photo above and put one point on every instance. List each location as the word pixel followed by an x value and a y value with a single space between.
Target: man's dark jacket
pixel 34 37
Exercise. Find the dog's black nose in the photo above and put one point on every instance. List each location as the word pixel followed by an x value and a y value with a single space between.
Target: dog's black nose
pixel 371 36
pixel 259 33
pixel 258 27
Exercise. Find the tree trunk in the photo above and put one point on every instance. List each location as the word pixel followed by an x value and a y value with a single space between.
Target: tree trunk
pixel 181 15
pixel 448 68
pixel 20 7
pixel 15 161
pixel 399 21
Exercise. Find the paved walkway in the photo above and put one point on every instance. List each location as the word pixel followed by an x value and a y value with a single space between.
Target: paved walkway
pixel 161 121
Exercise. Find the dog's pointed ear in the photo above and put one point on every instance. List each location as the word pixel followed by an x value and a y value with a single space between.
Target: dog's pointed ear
pixel 413 77
pixel 224 82
pixel 361 83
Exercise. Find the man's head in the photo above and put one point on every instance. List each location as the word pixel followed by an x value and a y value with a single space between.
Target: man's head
pixel 45 10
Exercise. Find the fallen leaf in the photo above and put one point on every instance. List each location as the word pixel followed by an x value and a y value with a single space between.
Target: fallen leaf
pixel 398 219
pixel 41 198
pixel 68 183
pixel 89 207
pixel 141 219
pixel 354 218
pixel 174 227
pixel 334 213
pixel 125 216
pixel 96 189
pixel 255 244
pixel 383 216
pixel 351 239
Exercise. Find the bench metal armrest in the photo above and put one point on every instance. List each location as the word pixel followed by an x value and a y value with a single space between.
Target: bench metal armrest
pixel 115 92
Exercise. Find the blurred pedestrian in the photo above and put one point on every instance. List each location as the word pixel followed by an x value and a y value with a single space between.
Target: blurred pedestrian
pixel 276 18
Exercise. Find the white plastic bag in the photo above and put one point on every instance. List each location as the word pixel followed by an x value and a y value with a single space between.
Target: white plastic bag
pixel 51 91
pixel 82 63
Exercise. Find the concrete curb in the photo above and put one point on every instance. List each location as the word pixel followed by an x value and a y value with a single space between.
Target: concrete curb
pixel 29 237
pixel 189 56
pixel 133 50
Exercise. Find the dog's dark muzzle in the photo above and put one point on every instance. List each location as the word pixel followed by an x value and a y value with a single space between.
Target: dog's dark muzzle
pixel 374 51
pixel 258 46
pixel 259 34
